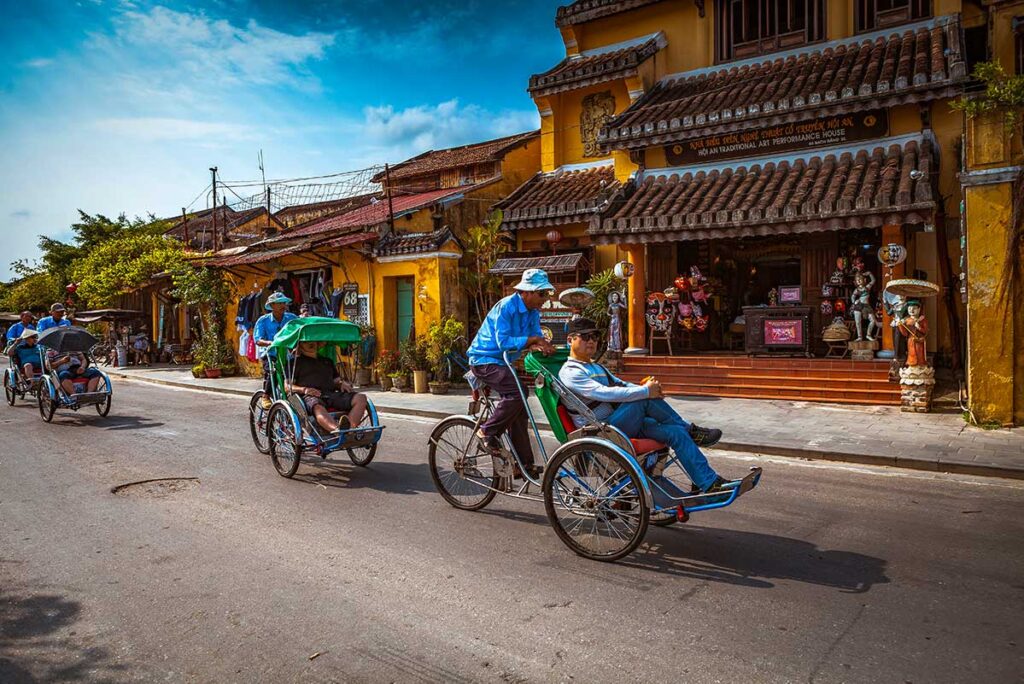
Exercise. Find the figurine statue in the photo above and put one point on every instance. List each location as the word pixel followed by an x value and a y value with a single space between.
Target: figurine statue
pixel 862 306
pixel 914 326
pixel 615 306
pixel 773 297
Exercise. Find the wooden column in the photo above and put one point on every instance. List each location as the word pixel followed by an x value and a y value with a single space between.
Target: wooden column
pixel 891 234
pixel 637 295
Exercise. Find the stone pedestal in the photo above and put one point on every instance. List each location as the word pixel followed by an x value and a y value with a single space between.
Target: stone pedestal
pixel 862 350
pixel 612 360
pixel 916 385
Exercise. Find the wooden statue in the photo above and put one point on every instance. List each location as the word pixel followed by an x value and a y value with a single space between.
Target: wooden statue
pixel 914 326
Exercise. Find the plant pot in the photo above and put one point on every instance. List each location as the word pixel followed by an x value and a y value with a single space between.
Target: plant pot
pixel 439 387
pixel 363 376
pixel 198 372
pixel 386 383
pixel 212 373
pixel 419 381
pixel 400 382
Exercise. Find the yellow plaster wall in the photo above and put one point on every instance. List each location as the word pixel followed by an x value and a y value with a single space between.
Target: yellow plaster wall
pixel 1001 32
pixel 518 166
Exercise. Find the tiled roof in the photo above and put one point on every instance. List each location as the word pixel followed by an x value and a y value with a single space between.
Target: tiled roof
pixel 550 199
pixel 454 157
pixel 372 214
pixel 347 240
pixel 883 69
pixel 558 263
pixel 413 243
pixel 248 257
pixel 307 212
pixel 583 11
pixel 579 71
pixel 831 190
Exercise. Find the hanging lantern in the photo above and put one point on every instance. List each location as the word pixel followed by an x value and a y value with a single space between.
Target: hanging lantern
pixel 72 288
pixel 892 255
pixel 553 237
pixel 624 270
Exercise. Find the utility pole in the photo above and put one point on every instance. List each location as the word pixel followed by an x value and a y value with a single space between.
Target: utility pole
pixel 213 174
pixel 266 189
pixel 184 224
pixel 391 206
pixel 268 208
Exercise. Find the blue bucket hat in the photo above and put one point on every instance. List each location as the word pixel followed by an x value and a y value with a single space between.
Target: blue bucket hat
pixel 534 280
pixel 276 298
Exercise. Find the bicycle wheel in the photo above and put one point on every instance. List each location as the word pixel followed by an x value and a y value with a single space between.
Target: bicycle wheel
pixel 463 475
pixel 595 500
pixel 258 422
pixel 285 440
pixel 103 407
pixel 47 405
pixel 362 456
pixel 10 389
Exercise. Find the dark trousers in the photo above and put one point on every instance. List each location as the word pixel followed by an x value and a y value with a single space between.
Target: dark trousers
pixel 266 376
pixel 510 414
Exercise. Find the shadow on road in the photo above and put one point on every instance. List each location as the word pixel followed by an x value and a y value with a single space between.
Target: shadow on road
pixel 393 478
pixel 750 559
pixel 33 651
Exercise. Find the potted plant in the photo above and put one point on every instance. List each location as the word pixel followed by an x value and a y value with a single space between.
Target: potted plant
pixel 414 358
pixel 399 380
pixel 363 356
pixel 388 364
pixel 212 354
pixel 199 370
pixel 442 336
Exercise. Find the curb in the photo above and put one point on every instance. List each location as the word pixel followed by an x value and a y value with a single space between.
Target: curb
pixel 905 462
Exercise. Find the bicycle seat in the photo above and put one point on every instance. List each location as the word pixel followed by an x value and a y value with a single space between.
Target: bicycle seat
pixel 641 445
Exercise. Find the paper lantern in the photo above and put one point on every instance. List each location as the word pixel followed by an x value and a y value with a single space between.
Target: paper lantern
pixel 553 237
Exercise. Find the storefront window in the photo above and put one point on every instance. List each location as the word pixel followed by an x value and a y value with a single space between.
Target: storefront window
pixel 747 28
pixel 879 14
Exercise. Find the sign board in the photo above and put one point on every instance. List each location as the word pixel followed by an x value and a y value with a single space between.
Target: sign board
pixel 350 300
pixel 783 332
pixel 806 134
pixel 790 294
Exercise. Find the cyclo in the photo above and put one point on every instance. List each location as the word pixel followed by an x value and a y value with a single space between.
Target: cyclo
pixel 600 489
pixel 286 430
pixel 51 392
pixel 16 385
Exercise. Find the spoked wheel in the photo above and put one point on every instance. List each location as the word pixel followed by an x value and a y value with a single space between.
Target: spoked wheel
pixel 285 441
pixel 258 422
pixel 46 405
pixel 594 499
pixel 462 474
pixel 362 456
pixel 9 389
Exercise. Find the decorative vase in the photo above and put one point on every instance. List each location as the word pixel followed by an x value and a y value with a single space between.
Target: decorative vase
pixel 439 387
pixel 363 376
pixel 419 381
pixel 401 382
pixel 386 383
pixel 212 373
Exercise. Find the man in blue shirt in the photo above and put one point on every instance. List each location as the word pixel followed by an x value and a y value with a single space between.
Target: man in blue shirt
pixel 14 332
pixel 54 320
pixel 512 326
pixel 637 410
pixel 263 333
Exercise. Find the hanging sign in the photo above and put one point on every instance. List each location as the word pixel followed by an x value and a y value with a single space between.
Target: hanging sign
pixel 350 300
pixel 799 135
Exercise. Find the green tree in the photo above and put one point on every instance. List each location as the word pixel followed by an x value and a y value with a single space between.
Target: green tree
pixel 122 263
pixel 33 292
pixel 484 246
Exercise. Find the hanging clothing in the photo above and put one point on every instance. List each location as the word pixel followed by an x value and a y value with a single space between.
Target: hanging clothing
pixel 250 349
pixel 243 343
pixel 337 297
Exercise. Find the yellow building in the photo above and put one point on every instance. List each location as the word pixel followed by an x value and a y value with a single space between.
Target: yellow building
pixel 760 142
pixel 396 252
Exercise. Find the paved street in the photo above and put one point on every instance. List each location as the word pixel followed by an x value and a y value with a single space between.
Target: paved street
pixel 826 573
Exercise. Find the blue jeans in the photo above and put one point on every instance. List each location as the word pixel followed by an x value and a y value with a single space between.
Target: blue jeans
pixel 655 419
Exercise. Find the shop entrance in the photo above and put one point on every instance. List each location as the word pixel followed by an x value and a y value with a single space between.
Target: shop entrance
pixel 404 307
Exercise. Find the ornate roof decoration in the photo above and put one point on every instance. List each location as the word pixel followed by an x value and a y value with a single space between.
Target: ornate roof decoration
pixel 560 197
pixel 583 11
pixel 825 190
pixel 914 63
pixel 580 71
pixel 394 244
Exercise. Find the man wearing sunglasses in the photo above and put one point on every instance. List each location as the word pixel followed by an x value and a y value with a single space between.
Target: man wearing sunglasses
pixel 637 410
pixel 512 326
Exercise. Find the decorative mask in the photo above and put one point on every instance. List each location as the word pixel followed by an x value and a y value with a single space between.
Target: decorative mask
pixel 685 310
pixel 702 323
pixel 837 278
pixel 826 308
pixel 840 306
pixel 688 323
pixel 827 291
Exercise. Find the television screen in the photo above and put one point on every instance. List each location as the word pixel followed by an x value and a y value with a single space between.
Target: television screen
pixel 789 294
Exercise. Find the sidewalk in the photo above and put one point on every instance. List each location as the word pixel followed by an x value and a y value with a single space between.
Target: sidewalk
pixel 879 435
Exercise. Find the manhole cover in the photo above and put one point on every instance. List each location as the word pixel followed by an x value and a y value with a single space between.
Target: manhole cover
pixel 156 488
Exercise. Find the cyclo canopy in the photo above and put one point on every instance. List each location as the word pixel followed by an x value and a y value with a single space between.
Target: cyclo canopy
pixel 337 335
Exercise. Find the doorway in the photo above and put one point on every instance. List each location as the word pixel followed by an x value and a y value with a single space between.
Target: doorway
pixel 404 308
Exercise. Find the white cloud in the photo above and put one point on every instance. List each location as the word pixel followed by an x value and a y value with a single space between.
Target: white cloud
pixel 424 127
pixel 39 63
pixel 182 46
pixel 153 129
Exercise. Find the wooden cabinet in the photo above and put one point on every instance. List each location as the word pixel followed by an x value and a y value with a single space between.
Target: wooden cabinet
pixel 778 329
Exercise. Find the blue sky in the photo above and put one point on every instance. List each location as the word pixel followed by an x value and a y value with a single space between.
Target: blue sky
pixel 111 105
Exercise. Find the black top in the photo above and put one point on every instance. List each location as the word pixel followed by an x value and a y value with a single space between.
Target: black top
pixel 318 372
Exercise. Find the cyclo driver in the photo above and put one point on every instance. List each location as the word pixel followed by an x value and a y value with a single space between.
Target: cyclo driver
pixel 513 326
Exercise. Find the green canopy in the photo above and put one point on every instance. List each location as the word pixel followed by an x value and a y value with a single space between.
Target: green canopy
pixel 548 366
pixel 336 334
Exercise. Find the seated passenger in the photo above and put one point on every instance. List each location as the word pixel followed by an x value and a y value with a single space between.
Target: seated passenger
pixel 26 354
pixel 637 410
pixel 70 366
pixel 316 379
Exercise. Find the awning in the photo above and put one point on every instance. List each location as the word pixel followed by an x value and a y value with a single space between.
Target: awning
pixel 254 257
pixel 106 315
pixel 558 263
pixel 559 198
pixel 828 190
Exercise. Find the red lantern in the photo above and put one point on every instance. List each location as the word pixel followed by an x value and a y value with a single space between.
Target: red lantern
pixel 553 237
pixel 72 288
